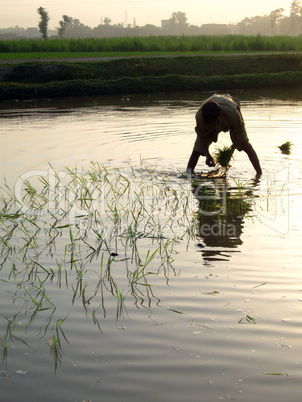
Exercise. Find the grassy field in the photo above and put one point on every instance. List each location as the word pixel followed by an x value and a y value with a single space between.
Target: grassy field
pixel 163 44
pixel 147 71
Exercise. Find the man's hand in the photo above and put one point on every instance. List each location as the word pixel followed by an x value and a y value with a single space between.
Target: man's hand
pixel 210 161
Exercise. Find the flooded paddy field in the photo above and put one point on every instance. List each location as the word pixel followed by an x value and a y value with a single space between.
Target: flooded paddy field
pixel 124 280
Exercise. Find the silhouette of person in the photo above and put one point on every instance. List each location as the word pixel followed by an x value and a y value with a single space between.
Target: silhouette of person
pixel 220 113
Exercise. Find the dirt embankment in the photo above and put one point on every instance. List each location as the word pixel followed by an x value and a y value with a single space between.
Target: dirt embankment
pixel 147 74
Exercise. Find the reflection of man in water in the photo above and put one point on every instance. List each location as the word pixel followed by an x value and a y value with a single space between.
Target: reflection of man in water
pixel 220 218
pixel 220 113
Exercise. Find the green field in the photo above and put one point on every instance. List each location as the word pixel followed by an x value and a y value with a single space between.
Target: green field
pixel 145 65
pixel 162 44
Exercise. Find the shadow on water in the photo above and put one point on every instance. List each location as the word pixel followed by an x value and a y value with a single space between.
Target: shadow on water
pixel 141 100
pixel 222 209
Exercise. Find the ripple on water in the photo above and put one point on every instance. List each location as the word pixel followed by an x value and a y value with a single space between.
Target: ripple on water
pixel 221 320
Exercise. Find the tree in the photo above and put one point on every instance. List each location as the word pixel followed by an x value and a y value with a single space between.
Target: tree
pixel 296 15
pixel 75 29
pixel 295 7
pixel 275 16
pixel 107 21
pixel 244 25
pixel 43 24
pixel 178 23
pixel 63 25
pixel 179 18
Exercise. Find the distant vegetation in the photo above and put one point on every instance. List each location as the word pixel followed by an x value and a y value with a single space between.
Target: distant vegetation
pixel 43 24
pixel 224 43
pixel 274 23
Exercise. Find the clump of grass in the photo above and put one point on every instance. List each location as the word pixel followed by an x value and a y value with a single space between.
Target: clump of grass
pixel 70 220
pixel 247 319
pixel 286 148
pixel 98 221
pixel 224 155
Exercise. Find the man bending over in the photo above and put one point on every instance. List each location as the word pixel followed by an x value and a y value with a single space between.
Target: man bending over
pixel 220 113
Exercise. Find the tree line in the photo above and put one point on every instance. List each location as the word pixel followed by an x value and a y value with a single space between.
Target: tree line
pixel 274 23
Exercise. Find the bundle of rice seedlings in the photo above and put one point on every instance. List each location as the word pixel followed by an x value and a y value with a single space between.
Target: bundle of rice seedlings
pixel 223 155
pixel 286 148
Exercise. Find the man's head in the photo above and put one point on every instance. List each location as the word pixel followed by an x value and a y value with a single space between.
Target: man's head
pixel 210 111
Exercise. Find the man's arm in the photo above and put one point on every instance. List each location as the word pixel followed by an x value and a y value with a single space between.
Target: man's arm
pixel 247 147
pixel 201 147
pixel 193 161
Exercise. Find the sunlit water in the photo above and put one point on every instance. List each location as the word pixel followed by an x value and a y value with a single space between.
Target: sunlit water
pixel 222 319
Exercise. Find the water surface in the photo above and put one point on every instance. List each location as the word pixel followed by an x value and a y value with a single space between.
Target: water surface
pixel 220 316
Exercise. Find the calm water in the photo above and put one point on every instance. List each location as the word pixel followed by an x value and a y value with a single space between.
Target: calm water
pixel 221 315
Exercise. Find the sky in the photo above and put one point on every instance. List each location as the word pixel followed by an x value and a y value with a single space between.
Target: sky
pixel 91 12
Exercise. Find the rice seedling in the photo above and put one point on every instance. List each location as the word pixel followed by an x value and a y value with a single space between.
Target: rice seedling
pixel 12 328
pixel 247 319
pixel 4 345
pixel 241 201
pixel 95 319
pixel 139 273
pixel 120 302
pixel 56 349
pixel 104 229
pixel 278 374
pixel 220 205
pixel 224 155
pixel 286 148
pixel 50 272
